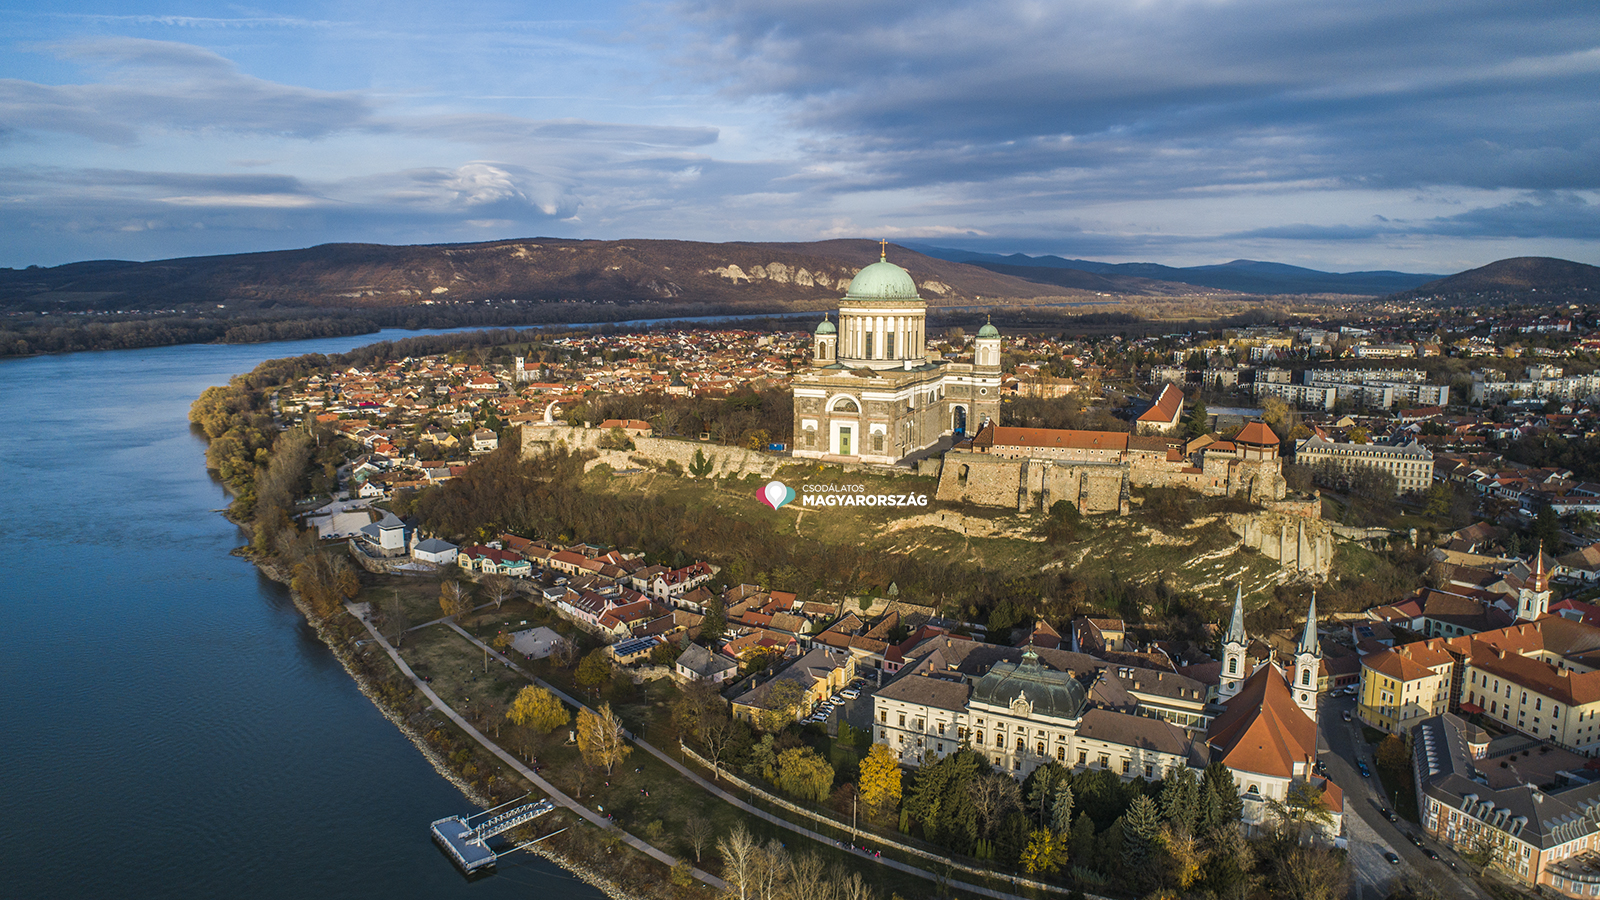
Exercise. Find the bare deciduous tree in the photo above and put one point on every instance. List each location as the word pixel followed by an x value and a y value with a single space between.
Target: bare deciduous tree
pixel 395 620
pixel 455 599
pixel 563 653
pixel 498 588
pixel 717 730
pixel 697 834
pixel 740 861
pixel 994 795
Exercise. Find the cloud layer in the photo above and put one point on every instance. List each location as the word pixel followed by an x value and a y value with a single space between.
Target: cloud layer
pixel 1399 134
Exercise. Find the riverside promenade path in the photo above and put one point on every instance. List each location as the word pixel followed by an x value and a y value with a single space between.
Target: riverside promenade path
pixel 762 814
pixel 554 793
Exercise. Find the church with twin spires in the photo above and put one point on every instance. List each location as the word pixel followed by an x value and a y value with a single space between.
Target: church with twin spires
pixel 873 393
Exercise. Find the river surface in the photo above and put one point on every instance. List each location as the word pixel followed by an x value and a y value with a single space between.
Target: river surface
pixel 170 726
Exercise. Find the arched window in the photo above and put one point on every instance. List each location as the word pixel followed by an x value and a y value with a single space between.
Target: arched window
pixel 822 350
pixel 1305 675
pixel 845 405
pixel 961 475
pixel 1021 745
pixel 1233 665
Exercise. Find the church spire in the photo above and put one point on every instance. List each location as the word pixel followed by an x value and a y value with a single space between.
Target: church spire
pixel 1236 634
pixel 1308 640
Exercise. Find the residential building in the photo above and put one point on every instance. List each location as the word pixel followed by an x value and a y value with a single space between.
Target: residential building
pixel 1403 686
pixel 1475 796
pixel 1165 415
pixel 1411 464
pixel 820 674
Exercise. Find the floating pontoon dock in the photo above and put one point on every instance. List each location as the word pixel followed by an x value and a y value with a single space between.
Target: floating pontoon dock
pixel 468 844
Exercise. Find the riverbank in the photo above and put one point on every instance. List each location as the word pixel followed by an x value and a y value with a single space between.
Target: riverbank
pixel 342 648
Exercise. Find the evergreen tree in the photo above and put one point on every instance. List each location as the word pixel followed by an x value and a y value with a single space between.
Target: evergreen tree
pixel 1222 806
pixel 1080 848
pixel 1011 838
pixel 1199 422
pixel 1180 799
pixel 1108 849
pixel 1061 808
pixel 1547 528
pixel 1141 837
pixel 1041 792
pixel 714 624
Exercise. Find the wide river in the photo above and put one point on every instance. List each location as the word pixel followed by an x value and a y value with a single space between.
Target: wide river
pixel 169 725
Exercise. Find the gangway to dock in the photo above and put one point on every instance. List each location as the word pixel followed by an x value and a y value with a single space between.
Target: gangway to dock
pixel 467 844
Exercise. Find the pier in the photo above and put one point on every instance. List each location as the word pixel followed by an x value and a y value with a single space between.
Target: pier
pixel 468 844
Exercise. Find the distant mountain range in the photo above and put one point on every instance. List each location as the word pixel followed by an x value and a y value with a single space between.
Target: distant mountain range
pixel 555 279
pixel 1241 276
pixel 1523 279
pixel 669 277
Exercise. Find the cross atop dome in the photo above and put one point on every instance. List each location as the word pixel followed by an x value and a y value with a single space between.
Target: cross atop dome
pixel 883 251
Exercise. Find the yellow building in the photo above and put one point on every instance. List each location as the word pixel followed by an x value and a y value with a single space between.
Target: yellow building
pixel 1403 686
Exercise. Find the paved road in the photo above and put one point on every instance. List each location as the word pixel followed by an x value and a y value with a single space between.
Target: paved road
pixel 550 790
pixel 1370 834
pixel 741 804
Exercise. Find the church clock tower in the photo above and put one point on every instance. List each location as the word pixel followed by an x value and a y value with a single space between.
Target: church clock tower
pixel 1234 646
pixel 1308 665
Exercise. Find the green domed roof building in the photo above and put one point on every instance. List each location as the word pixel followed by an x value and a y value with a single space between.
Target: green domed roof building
pixel 873 393
pixel 883 280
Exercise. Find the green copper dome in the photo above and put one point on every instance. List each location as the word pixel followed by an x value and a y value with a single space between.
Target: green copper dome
pixel 826 327
pixel 988 331
pixel 883 280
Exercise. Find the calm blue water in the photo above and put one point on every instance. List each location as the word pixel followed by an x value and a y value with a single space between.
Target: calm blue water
pixel 169 725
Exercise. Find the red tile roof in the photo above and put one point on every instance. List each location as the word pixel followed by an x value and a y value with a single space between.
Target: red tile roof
pixel 1167 406
pixel 1262 730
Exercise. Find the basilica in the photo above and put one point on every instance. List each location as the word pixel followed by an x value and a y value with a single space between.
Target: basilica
pixel 874 393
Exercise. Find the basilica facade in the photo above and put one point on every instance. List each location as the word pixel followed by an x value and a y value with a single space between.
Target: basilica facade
pixel 873 393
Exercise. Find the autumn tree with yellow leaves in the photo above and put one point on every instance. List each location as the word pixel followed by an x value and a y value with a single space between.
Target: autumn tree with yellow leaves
pixel 538 709
pixel 600 738
pixel 880 780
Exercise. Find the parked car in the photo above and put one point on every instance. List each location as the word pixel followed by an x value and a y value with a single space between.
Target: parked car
pixel 1414 839
pixel 850 693
pixel 1347 715
pixel 1389 855
pixel 1431 853
pixel 1386 813
pixel 1365 772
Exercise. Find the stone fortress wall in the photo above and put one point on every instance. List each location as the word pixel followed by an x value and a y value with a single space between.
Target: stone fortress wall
pixel 1291 532
pixel 1035 484
pixel 726 462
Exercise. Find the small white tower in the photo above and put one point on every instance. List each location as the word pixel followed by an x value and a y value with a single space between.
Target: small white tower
pixel 826 342
pixel 986 347
pixel 1533 599
pixel 1308 665
pixel 1234 645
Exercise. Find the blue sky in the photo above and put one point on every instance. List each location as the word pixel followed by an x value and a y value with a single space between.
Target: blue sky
pixel 1419 136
